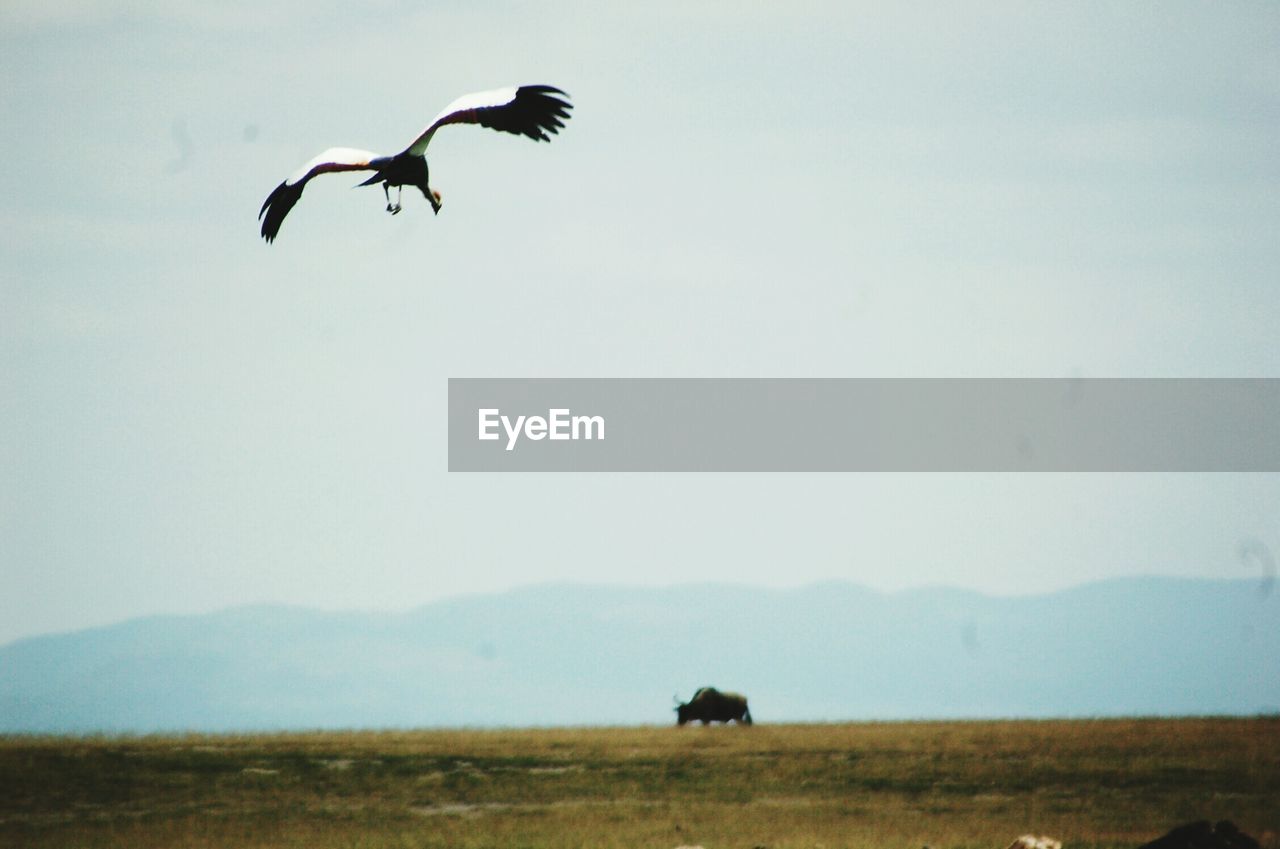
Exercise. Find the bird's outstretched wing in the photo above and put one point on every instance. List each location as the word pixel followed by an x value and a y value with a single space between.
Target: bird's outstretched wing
pixel 530 110
pixel 280 201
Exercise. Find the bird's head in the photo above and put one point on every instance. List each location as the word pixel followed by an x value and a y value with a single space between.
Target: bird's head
pixel 437 201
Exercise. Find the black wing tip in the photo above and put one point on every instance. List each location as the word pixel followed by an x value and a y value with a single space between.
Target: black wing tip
pixel 540 89
pixel 266 204
pixel 551 114
pixel 276 207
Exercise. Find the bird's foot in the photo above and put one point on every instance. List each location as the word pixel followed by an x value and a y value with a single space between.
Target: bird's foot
pixel 394 209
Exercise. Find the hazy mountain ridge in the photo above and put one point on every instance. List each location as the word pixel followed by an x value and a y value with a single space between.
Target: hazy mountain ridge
pixel 572 654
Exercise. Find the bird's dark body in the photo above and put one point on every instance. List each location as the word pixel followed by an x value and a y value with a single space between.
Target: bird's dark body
pixel 403 169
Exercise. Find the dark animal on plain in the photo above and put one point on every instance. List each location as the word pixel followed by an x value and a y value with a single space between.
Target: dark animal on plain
pixel 531 110
pixel 1203 835
pixel 711 705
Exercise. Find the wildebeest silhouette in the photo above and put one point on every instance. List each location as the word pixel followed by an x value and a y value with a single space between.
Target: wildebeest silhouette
pixel 1203 835
pixel 711 705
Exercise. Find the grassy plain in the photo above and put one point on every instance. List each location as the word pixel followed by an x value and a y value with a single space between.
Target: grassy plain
pixel 1101 784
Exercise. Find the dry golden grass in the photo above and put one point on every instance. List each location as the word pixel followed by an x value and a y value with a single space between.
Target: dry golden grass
pixel 949 785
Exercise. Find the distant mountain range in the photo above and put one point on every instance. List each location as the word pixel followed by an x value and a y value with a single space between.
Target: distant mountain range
pixel 592 655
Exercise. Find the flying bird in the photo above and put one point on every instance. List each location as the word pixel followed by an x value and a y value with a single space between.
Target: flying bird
pixel 529 110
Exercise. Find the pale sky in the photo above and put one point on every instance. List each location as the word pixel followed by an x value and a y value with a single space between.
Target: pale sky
pixel 193 419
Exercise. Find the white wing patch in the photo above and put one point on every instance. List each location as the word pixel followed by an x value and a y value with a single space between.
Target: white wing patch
pixel 475 100
pixel 332 156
